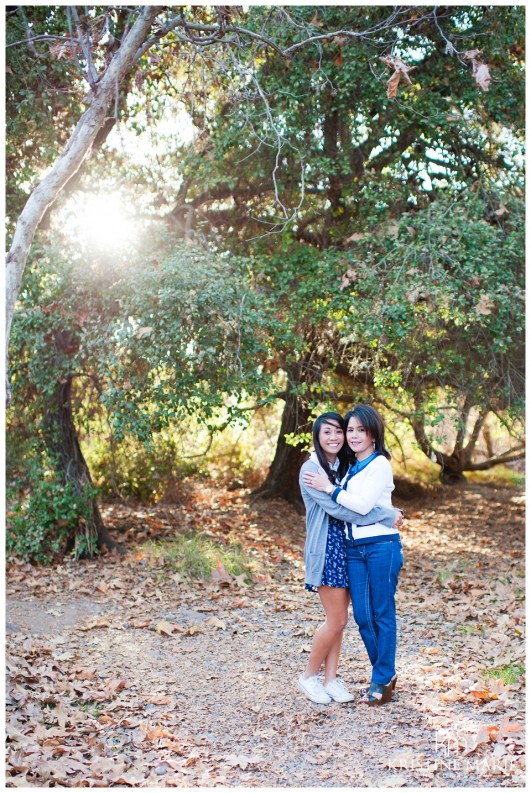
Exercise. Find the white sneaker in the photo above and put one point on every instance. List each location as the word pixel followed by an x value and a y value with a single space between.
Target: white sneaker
pixel 337 691
pixel 314 690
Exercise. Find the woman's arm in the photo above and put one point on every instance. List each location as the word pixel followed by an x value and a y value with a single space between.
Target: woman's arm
pixel 378 514
pixel 374 483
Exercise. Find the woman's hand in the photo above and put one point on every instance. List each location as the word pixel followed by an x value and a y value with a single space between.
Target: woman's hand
pixel 317 481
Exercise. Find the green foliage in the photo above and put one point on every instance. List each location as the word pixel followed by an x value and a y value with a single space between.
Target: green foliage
pixel 130 469
pixel 416 200
pixel 191 336
pixel 43 94
pixel 170 338
pixel 418 197
pixel 501 476
pixel 238 453
pixel 166 338
pixel 43 516
pixel 437 314
pixel 366 158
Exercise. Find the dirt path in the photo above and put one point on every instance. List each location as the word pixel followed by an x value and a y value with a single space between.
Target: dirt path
pixel 120 674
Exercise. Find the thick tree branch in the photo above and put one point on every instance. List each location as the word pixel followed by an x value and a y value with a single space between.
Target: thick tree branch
pixel 464 413
pixel 468 450
pixel 502 459
pixel 72 156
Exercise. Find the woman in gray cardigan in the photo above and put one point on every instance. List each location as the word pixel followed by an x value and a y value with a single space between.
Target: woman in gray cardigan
pixel 325 558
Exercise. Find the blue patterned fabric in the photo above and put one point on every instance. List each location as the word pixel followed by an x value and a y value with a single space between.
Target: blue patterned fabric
pixel 335 569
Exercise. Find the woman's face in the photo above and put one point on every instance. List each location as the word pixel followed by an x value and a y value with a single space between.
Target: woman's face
pixel 331 438
pixel 359 439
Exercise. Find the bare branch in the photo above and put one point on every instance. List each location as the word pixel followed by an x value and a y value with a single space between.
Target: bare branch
pixel 390 22
pixel 43 37
pixel 29 38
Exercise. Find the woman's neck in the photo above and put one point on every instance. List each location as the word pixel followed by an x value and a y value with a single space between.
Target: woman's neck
pixel 364 455
pixel 331 458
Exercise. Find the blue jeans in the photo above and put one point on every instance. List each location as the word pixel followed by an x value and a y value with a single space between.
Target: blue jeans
pixel 373 576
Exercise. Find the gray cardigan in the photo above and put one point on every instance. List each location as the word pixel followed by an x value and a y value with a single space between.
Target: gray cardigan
pixel 318 507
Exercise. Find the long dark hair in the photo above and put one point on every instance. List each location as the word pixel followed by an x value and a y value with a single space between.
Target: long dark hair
pixel 326 418
pixel 372 422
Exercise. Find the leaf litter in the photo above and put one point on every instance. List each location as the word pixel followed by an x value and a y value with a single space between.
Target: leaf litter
pixel 122 672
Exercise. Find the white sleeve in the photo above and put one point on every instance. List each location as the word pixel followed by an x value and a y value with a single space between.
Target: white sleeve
pixel 372 486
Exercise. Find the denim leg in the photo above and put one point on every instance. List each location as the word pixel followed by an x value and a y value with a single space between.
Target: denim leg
pixel 358 582
pixel 384 560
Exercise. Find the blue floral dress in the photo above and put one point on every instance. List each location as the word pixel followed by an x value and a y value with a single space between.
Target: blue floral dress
pixel 335 569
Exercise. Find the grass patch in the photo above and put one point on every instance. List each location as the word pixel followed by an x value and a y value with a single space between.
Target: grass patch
pixel 471 630
pixel 446 574
pixel 195 556
pixel 443 576
pixel 89 706
pixel 500 475
pixel 508 674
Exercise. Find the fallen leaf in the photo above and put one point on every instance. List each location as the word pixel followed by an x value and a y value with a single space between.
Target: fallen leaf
pixel 392 780
pixel 221 575
pixel 96 623
pixel 85 672
pixel 318 759
pixel 165 628
pixel 481 737
pixel 242 761
pixel 145 623
pixel 404 759
pixel 454 695
pixel 159 699
pixel 508 728
pixel 217 623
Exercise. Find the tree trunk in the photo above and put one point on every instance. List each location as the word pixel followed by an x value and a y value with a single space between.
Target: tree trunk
pixel 282 480
pixel 71 466
pixel 451 470
pixel 76 150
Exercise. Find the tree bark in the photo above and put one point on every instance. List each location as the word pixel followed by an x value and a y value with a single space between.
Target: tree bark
pixel 71 158
pixel 282 480
pixel 70 465
pixel 451 465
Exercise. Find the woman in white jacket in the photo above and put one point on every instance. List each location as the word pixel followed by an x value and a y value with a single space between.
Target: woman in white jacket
pixel 374 552
pixel 325 556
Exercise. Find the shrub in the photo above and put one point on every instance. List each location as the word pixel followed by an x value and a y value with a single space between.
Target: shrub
pixel 43 518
